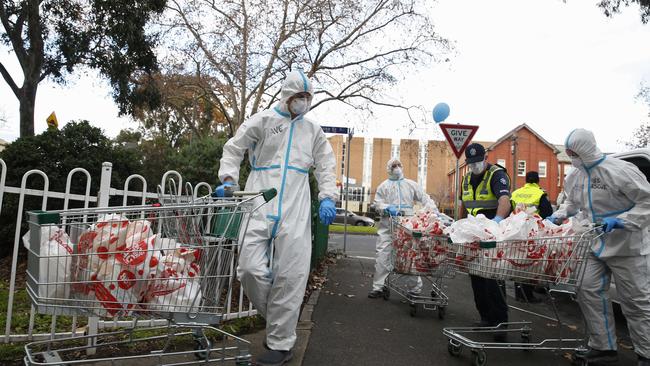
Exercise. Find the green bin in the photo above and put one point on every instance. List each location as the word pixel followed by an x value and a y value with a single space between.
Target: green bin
pixel 319 236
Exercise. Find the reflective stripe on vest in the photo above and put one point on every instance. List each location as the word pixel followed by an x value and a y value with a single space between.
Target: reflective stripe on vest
pixel 530 195
pixel 483 198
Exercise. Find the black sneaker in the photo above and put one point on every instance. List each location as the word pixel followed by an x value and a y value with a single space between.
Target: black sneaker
pixel 594 356
pixel 643 361
pixel 274 358
pixel 374 294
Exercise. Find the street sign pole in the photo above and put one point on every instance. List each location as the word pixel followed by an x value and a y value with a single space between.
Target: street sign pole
pixel 457 182
pixel 347 190
pixel 349 132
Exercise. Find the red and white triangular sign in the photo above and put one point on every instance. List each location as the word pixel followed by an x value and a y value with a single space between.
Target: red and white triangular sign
pixel 458 136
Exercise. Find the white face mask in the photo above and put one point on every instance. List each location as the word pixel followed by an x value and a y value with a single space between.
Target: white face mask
pixel 299 106
pixel 396 173
pixel 576 162
pixel 477 168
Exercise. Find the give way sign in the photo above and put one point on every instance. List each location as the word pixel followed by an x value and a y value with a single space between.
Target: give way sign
pixel 458 136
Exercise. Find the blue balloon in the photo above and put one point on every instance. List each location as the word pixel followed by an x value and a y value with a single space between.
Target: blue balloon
pixel 440 112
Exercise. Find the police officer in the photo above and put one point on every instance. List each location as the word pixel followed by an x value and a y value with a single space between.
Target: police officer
pixel 486 190
pixel 531 195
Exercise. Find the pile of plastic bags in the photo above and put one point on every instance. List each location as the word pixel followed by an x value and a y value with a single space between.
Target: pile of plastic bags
pixel 119 266
pixel 525 248
pixel 424 251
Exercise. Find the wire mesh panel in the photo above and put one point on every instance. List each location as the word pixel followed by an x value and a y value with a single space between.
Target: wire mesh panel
pixel 542 261
pixel 142 261
pixel 417 253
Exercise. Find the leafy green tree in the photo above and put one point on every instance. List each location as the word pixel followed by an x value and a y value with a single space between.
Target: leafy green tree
pixel 50 38
pixel 56 152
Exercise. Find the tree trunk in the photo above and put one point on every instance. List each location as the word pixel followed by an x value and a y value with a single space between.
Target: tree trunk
pixel 27 101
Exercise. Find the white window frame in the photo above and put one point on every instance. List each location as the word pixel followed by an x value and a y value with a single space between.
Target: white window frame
pixel 523 173
pixel 501 162
pixel 539 169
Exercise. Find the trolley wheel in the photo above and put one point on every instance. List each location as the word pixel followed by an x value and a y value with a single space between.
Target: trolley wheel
pixel 202 346
pixel 480 358
pixel 386 293
pixel 442 311
pixel 414 310
pixel 454 349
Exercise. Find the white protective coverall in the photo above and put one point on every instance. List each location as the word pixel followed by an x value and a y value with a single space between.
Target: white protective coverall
pixel 281 152
pixel 401 193
pixel 604 187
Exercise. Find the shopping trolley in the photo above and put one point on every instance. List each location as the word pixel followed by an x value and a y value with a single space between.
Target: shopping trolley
pixel 418 254
pixel 556 262
pixel 171 261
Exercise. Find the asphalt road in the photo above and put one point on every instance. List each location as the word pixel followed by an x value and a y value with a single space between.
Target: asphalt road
pixel 351 329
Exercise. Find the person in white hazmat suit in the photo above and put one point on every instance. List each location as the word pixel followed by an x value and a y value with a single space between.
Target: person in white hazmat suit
pixel 282 146
pixel 614 193
pixel 395 196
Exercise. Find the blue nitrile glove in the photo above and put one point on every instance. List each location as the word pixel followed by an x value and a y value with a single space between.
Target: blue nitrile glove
pixel 221 190
pixel 497 219
pixel 392 210
pixel 611 223
pixel 327 211
pixel 557 220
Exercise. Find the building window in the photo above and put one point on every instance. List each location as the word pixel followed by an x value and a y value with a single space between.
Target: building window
pixel 422 163
pixel 501 162
pixel 394 151
pixel 521 168
pixel 541 169
pixel 367 163
pixel 343 157
pixel 559 174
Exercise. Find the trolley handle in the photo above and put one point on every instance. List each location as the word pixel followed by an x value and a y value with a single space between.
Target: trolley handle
pixel 267 194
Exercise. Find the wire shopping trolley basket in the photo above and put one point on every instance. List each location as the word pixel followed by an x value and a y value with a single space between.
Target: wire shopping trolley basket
pixel 418 254
pixel 556 262
pixel 175 262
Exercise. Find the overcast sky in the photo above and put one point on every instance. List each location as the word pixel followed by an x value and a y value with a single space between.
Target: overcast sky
pixel 553 65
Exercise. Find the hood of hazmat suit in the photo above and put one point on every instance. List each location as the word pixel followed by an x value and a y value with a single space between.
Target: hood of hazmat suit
pixel 604 187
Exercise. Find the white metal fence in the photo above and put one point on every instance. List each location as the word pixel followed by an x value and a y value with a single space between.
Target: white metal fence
pixel 171 181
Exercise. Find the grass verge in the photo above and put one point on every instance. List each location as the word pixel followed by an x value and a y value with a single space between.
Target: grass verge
pixel 368 230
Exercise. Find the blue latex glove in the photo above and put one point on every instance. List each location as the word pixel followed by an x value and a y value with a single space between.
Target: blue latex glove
pixel 327 211
pixel 391 210
pixel 555 219
pixel 221 190
pixel 497 219
pixel 611 223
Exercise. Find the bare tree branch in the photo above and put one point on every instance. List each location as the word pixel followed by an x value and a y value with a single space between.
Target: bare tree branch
pixel 10 81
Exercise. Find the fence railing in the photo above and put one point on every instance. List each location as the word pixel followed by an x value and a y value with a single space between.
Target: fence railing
pixel 171 182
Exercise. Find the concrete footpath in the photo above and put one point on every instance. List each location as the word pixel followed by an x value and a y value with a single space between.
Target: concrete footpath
pixel 351 329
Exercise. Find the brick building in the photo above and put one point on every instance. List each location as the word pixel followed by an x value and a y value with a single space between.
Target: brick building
pixel 522 150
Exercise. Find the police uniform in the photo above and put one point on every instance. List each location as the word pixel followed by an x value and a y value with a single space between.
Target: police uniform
pixel 480 194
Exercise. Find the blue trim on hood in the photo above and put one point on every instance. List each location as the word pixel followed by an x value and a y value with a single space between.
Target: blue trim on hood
pixel 304 81
pixel 283 114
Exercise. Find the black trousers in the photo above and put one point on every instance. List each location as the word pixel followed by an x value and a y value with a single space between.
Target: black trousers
pixel 490 300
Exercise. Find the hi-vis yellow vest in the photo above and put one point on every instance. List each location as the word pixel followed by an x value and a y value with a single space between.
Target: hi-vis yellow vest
pixel 483 198
pixel 530 195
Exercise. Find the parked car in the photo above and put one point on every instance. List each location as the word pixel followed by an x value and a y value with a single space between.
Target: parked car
pixel 353 219
pixel 640 158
